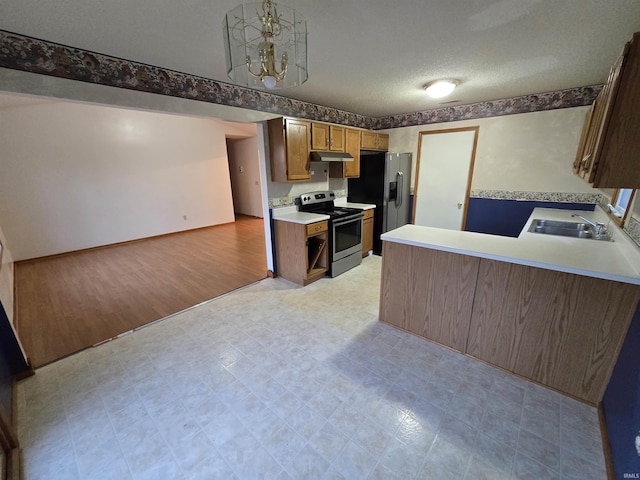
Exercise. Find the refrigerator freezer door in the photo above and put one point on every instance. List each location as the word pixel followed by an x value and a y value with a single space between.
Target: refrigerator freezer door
pixel 391 191
pixel 404 189
pixel 397 189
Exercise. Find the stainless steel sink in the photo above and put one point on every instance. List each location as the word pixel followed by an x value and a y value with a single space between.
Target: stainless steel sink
pixel 565 229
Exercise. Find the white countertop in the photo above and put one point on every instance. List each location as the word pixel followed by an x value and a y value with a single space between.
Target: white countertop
pixel 362 206
pixel 291 214
pixel 618 260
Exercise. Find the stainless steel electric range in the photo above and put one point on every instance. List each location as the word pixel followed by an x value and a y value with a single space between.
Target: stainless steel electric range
pixel 345 229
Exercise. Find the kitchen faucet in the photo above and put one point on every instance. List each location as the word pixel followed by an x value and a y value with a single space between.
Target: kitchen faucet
pixel 599 228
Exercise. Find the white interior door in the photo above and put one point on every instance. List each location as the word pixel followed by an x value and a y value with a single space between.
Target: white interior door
pixel 443 177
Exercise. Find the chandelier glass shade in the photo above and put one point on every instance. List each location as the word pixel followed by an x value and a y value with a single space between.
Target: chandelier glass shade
pixel 265 46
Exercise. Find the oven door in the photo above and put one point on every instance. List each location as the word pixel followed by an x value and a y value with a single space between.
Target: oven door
pixel 347 236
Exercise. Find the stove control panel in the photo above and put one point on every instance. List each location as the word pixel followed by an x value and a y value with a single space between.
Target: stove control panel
pixel 317 197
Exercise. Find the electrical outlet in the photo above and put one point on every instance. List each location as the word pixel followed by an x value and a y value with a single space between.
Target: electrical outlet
pixel 275 202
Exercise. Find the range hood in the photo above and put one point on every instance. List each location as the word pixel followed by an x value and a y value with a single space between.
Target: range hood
pixel 331 157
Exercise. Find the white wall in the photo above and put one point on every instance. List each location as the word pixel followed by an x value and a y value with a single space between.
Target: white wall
pixel 524 152
pixel 76 176
pixel 285 193
pixel 245 176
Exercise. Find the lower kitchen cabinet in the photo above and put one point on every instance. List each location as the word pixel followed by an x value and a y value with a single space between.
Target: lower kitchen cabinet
pixel 428 292
pixel 549 326
pixel 301 251
pixel 367 231
pixel 545 325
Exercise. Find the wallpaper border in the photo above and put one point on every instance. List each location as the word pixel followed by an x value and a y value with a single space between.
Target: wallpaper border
pixel 24 53
pixel 558 197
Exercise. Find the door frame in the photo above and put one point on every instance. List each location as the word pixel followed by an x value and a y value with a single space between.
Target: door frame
pixel 476 129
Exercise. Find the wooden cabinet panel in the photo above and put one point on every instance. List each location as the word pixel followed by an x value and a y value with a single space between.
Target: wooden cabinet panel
pixel 317 227
pixel 352 146
pixel 609 148
pixel 369 140
pixel 374 141
pixel 561 330
pixel 620 148
pixel 383 142
pixel 289 149
pixel 326 137
pixel 297 138
pixel 301 251
pixel 319 136
pixel 367 232
pixel 428 292
pixel 549 326
pixel 336 138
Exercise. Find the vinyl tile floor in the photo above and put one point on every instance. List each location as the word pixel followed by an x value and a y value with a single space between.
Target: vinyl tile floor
pixel 276 381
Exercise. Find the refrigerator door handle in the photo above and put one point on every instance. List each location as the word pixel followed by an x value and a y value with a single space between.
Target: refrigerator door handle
pixel 400 182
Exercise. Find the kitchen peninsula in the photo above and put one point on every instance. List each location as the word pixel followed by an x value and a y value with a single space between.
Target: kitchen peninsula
pixel 552 309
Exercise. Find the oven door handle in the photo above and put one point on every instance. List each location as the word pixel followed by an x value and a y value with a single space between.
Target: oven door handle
pixel 399 188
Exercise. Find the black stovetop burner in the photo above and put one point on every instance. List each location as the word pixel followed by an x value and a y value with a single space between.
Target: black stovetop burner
pixel 322 202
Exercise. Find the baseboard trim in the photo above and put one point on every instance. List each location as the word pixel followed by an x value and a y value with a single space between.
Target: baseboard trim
pixel 606 445
pixel 14 465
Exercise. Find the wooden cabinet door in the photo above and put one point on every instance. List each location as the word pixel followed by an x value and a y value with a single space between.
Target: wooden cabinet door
pixel 297 135
pixel 610 145
pixel 336 138
pixel 383 142
pixel 583 155
pixel 368 140
pixel 352 146
pixel 319 136
pixel 367 232
pixel 617 155
pixel 375 141
pixel 602 113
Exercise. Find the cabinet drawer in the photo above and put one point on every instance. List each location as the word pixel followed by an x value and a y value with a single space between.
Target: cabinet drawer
pixel 317 227
pixel 367 214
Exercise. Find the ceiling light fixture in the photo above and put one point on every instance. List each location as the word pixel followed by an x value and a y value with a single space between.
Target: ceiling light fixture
pixel 441 88
pixel 266 45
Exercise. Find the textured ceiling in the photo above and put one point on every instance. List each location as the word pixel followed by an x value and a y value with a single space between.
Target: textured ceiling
pixel 365 56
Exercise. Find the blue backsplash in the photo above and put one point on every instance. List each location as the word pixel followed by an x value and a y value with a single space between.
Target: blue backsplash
pixel 507 217
pixel 621 404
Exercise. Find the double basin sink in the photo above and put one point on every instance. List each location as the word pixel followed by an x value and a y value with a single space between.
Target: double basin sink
pixel 566 229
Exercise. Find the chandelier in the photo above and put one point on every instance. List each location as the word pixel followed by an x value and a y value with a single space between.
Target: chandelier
pixel 265 45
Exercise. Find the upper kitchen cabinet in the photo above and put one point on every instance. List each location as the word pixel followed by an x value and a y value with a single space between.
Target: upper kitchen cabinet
pixel 609 151
pixel 374 141
pixel 351 146
pixel 289 141
pixel 327 137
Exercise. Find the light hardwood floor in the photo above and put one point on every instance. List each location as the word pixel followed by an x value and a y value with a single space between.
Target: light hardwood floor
pixel 66 303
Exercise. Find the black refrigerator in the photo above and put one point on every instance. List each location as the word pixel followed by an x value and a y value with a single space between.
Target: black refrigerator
pixel 385 181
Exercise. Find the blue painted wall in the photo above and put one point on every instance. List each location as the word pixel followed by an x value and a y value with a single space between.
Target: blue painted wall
pixel 621 404
pixel 508 217
pixel 11 361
